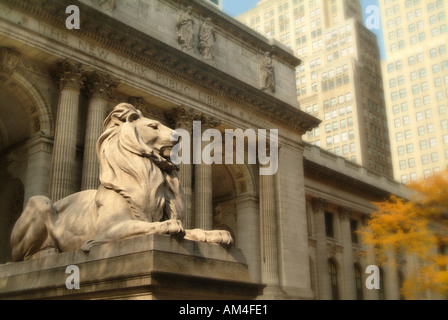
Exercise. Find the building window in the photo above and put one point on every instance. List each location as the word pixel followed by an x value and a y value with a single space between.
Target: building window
pixel 329 229
pixel 332 270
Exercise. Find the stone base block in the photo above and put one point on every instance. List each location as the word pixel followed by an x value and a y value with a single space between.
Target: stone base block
pixel 151 267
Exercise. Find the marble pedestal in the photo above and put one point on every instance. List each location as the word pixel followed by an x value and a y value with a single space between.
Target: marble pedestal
pixel 151 267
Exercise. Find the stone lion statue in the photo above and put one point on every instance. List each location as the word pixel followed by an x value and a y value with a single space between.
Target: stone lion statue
pixel 139 194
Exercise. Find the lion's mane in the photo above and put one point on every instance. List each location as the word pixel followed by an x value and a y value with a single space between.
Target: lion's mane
pixel 148 182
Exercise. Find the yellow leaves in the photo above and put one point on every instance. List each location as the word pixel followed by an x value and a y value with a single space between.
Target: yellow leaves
pixel 418 226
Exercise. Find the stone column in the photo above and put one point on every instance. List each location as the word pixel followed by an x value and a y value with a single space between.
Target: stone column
pixel 323 277
pixel 293 250
pixel 349 285
pixel 391 290
pixel 249 233
pixel 99 87
pixel 372 294
pixel 63 179
pixel 182 118
pixel 38 167
pixel 268 232
pixel 203 183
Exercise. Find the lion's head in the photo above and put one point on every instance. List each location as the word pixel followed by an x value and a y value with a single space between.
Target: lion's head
pixel 133 153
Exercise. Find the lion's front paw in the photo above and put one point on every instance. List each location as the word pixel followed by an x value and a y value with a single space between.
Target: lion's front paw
pixel 221 237
pixel 173 228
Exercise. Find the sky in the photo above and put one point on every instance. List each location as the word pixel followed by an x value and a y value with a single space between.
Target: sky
pixel 237 7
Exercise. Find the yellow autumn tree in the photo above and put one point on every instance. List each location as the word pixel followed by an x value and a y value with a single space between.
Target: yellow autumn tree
pixel 417 226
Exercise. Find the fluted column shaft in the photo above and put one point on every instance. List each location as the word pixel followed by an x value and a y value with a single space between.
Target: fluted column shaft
pixel 349 268
pixel 99 87
pixel 392 289
pixel 203 183
pixel 324 285
pixel 268 231
pixel 371 294
pixel 182 118
pixel 249 232
pixel 63 181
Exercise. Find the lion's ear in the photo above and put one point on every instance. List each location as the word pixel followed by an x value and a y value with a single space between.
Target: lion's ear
pixel 132 117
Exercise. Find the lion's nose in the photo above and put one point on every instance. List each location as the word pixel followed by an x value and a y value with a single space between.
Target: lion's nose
pixel 175 135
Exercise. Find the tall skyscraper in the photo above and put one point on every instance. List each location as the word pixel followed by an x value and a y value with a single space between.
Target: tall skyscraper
pixel 416 85
pixel 339 80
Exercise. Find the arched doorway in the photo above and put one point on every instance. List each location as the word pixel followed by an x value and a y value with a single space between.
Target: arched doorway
pixel 236 209
pixel 14 132
pixel 24 117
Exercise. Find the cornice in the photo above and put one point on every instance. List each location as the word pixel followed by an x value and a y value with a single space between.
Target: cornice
pixel 141 48
pixel 342 181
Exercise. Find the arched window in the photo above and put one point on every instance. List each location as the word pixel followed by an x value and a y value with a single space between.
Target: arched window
pixel 332 270
pixel 358 282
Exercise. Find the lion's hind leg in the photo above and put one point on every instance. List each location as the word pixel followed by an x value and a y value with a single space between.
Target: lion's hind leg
pixel 31 231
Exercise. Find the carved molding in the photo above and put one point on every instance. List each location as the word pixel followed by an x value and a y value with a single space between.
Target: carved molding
pixel 9 58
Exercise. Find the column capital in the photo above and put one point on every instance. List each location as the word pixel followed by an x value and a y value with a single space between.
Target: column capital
pixel 319 204
pixel 246 201
pixel 345 213
pixel 182 117
pixel 99 84
pixel 137 102
pixel 9 58
pixel 209 122
pixel 69 75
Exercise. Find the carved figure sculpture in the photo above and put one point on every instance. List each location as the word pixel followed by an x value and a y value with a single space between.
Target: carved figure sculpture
pixel 140 194
pixel 206 40
pixel 267 73
pixel 185 33
pixel 109 5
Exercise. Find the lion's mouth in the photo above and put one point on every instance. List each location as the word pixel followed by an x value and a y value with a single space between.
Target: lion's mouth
pixel 165 152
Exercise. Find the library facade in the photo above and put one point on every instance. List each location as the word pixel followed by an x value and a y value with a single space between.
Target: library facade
pixel 177 62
